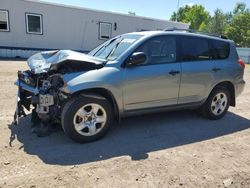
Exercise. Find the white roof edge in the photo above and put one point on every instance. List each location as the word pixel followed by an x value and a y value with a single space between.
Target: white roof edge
pixel 102 11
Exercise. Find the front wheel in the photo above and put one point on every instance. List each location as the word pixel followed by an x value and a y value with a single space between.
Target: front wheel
pixel 217 104
pixel 87 118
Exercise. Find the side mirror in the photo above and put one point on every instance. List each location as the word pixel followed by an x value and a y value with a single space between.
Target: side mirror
pixel 136 59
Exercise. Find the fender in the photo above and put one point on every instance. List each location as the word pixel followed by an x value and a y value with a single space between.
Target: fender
pixel 91 80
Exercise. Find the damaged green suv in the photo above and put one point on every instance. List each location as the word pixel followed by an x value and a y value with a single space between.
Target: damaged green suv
pixel 135 73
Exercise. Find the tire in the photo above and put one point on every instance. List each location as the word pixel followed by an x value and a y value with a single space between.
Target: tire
pixel 87 118
pixel 221 96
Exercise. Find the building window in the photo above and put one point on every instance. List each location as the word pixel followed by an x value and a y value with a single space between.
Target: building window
pixel 4 20
pixel 105 31
pixel 34 23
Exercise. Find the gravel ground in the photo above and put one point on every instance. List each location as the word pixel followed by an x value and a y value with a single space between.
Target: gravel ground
pixel 174 149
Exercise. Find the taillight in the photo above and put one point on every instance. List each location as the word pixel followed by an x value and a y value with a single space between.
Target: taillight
pixel 241 63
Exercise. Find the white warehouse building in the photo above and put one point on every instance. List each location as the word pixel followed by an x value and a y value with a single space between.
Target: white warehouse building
pixel 29 26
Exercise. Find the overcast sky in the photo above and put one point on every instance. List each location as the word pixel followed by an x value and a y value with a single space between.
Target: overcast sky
pixel 152 8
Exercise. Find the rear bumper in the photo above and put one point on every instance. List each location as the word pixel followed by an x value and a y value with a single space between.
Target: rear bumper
pixel 239 87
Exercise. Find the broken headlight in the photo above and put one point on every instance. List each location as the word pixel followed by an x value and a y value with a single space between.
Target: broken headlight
pixel 27 77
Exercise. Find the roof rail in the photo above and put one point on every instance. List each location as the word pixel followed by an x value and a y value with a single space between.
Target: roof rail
pixel 198 32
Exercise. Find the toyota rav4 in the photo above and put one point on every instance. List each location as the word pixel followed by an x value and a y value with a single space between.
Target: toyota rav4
pixel 135 73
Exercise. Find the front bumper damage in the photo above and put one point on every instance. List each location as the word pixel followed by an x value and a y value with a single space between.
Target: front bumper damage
pixel 42 88
pixel 24 93
pixel 44 101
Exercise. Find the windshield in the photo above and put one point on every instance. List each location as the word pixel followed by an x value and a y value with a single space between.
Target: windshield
pixel 113 48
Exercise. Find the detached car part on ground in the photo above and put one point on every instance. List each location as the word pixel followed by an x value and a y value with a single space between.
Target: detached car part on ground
pixel 130 74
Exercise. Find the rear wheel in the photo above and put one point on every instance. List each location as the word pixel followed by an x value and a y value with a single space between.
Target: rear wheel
pixel 217 104
pixel 87 118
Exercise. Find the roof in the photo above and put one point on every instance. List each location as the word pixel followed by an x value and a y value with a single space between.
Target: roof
pixel 147 33
pixel 102 11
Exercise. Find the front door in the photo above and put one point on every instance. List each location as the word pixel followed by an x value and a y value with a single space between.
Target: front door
pixel 156 82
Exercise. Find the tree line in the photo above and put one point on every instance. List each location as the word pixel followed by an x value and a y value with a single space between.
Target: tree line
pixel 234 24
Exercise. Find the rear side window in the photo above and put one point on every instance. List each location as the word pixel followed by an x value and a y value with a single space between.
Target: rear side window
pixel 220 49
pixel 195 49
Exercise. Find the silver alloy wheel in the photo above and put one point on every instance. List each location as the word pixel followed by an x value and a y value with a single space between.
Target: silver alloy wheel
pixel 90 119
pixel 219 103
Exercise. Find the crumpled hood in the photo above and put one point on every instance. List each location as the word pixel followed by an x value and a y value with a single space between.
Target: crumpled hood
pixel 44 61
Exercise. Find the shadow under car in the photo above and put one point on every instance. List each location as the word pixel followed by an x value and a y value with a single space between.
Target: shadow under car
pixel 134 136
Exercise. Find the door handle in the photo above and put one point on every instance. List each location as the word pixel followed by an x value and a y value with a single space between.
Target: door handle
pixel 216 69
pixel 174 72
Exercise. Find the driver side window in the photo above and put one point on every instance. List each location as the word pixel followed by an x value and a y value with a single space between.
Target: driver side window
pixel 159 50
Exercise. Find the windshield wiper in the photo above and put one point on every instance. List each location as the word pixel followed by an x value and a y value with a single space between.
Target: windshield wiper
pixel 113 50
pixel 104 47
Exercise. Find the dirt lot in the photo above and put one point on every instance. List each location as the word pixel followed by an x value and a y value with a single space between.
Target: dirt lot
pixel 177 149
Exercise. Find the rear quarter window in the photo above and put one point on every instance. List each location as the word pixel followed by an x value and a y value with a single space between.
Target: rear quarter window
pixel 220 49
pixel 194 49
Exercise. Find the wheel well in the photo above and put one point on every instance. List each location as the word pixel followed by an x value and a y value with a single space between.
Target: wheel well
pixel 104 93
pixel 231 90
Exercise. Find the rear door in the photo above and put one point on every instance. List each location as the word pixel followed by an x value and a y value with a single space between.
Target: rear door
pixel 223 66
pixel 196 64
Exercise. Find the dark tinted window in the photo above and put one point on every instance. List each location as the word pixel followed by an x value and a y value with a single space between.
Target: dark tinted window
pixel 195 49
pixel 220 49
pixel 159 50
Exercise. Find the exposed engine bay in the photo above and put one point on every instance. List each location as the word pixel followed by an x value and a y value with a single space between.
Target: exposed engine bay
pixel 39 89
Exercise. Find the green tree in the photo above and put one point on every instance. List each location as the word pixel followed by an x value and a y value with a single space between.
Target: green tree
pixel 196 15
pixel 218 23
pixel 239 25
pixel 229 17
pixel 240 8
pixel 182 14
pixel 239 29
pixel 235 24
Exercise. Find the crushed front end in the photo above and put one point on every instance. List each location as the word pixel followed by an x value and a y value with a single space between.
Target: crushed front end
pixel 41 94
pixel 40 89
